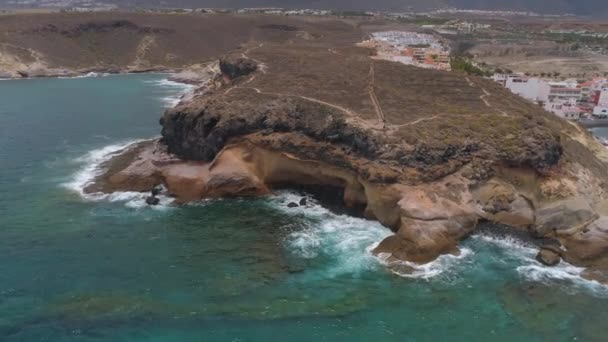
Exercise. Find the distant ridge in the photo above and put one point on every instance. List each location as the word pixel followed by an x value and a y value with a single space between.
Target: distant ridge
pixel 578 7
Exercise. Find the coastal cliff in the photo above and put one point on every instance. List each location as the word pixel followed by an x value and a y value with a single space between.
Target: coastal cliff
pixel 436 159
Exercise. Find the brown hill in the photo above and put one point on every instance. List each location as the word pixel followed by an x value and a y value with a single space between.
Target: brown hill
pixel 67 43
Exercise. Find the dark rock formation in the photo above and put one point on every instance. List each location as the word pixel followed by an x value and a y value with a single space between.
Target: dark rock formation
pixel 292 205
pixel 151 200
pixel 235 67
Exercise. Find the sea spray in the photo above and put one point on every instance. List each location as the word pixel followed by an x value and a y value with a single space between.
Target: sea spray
pixel 343 240
pixel 92 167
pixel 429 270
pixel 174 100
pixel 530 269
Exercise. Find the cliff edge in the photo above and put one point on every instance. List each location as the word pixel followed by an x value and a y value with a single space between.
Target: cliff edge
pixel 427 153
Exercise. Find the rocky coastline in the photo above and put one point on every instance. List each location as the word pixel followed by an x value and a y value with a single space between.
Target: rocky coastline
pixel 218 144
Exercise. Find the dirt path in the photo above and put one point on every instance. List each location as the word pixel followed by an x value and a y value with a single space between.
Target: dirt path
pixel 374 98
pixel 142 49
pixel 345 110
pixel 414 122
pixel 484 97
pixel 263 67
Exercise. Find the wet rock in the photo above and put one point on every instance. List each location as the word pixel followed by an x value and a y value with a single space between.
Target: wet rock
pixel 151 200
pixel 293 205
pixel 596 274
pixel 548 257
pixel 303 201
pixel 156 191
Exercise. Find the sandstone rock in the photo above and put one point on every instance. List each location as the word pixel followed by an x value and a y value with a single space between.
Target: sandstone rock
pixel 520 214
pixel 501 203
pixel 589 246
pixel 563 216
pixel 548 257
pixel 599 274
pixel 433 219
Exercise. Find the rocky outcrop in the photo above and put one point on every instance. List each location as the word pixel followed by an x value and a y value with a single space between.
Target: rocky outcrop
pixel 549 256
pixel 232 67
pixel 239 140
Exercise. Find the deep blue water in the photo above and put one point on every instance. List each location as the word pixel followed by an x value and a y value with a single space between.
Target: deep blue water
pixel 112 269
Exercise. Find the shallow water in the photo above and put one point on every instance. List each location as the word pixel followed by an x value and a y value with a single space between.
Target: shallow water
pixel 108 268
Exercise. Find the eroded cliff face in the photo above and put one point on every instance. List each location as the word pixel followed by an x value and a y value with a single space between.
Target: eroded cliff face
pixel 236 138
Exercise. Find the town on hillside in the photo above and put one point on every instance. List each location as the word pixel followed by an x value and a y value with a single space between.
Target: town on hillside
pixel 571 99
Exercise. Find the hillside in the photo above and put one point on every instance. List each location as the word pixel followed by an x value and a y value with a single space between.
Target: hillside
pixel 579 7
pixel 67 44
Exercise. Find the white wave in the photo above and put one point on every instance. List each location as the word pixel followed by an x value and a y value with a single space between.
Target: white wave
pixel 92 167
pixel 345 240
pixel 531 269
pixel 87 75
pixel 172 100
pixel 425 271
pixel 166 83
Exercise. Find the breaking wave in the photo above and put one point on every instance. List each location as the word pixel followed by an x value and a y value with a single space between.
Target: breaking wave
pixel 530 269
pixel 87 75
pixel 432 269
pixel 345 241
pixel 92 167
pixel 172 100
pixel 348 242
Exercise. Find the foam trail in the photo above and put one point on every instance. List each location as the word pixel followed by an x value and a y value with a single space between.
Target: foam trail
pixel 345 240
pixel 531 269
pixel 349 241
pixel 92 167
pixel 429 270
pixel 173 100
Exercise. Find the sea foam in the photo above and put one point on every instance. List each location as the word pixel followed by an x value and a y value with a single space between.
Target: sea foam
pixel 92 167
pixel 349 241
pixel 173 100
pixel 532 270
pixel 344 240
pixel 429 270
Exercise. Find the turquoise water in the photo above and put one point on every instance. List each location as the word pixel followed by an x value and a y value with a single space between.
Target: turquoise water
pixel 112 269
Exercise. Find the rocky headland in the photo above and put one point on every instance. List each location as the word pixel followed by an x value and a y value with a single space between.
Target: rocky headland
pixel 430 154
pixel 259 124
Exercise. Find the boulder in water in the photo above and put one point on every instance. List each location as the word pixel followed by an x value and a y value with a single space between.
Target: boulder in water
pixel 303 201
pixel 156 191
pixel 548 256
pixel 151 200
pixel 293 205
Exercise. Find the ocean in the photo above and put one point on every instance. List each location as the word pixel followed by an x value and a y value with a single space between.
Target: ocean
pixel 110 268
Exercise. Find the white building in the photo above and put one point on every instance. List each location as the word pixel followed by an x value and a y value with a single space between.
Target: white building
pixel 603 101
pixel 566 109
pixel 533 89
pixel 564 91
pixel 602 106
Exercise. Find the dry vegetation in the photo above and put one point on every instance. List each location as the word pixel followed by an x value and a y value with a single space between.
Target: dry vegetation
pixel 310 79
